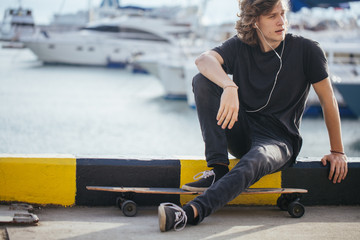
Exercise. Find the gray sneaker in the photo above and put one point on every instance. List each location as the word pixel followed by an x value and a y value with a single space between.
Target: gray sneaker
pixel 203 181
pixel 171 216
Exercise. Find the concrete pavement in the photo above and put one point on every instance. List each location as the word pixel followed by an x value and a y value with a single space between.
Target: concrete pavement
pixel 232 222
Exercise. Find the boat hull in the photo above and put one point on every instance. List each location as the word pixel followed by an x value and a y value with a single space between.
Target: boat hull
pixel 351 95
pixel 95 51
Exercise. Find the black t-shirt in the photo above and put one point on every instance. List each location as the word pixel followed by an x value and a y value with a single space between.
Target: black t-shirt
pixel 254 71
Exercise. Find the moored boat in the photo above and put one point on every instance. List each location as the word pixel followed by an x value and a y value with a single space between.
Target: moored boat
pixel 350 91
pixel 17 23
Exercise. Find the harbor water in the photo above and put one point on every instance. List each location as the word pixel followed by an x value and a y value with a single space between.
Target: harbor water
pixel 104 112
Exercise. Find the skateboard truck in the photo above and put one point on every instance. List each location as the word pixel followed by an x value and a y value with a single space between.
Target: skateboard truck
pixel 21 206
pixel 25 218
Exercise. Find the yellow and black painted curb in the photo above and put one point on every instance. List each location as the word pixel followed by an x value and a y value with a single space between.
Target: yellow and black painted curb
pixel 40 179
pixel 62 180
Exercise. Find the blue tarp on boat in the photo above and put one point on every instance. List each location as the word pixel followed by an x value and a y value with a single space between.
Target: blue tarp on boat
pixel 296 5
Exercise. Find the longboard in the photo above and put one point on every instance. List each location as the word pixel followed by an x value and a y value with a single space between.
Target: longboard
pixel 289 199
pixel 17 214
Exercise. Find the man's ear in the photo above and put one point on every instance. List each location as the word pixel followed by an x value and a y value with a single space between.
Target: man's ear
pixel 255 23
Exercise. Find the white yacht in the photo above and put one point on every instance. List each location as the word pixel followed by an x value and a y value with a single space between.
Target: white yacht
pixel 17 23
pixel 108 41
pixel 176 70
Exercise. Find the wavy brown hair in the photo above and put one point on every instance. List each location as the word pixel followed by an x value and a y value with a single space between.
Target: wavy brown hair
pixel 250 10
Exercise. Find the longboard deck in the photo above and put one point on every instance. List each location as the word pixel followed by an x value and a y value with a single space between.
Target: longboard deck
pixel 288 200
pixel 146 190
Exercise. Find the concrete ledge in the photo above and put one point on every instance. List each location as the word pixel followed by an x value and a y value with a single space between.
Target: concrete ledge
pixel 125 172
pixel 310 174
pixel 61 180
pixel 41 179
pixel 191 167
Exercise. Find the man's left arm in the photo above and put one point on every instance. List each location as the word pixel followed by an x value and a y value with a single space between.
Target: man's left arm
pixel 337 157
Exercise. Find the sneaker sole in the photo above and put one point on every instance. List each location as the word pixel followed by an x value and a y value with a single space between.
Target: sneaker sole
pixel 193 189
pixel 162 218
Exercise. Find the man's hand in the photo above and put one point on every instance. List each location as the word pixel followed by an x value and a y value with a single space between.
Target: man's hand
pixel 338 166
pixel 229 108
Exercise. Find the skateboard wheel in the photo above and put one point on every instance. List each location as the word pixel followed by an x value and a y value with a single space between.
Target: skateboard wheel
pixel 129 208
pixel 283 203
pixel 296 209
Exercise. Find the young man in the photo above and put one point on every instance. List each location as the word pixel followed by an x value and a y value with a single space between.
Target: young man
pixel 255 116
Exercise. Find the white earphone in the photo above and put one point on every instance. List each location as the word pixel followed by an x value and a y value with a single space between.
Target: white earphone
pixel 276 77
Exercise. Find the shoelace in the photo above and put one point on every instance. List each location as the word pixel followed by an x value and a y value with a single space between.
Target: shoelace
pixel 205 174
pixel 180 216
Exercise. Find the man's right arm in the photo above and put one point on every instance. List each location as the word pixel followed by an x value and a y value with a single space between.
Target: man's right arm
pixel 209 65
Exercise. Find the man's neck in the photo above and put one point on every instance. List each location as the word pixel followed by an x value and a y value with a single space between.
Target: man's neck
pixel 266 48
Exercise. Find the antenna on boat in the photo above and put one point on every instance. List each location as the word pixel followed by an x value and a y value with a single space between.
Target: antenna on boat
pixel 201 11
pixel 90 11
pixel 61 6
